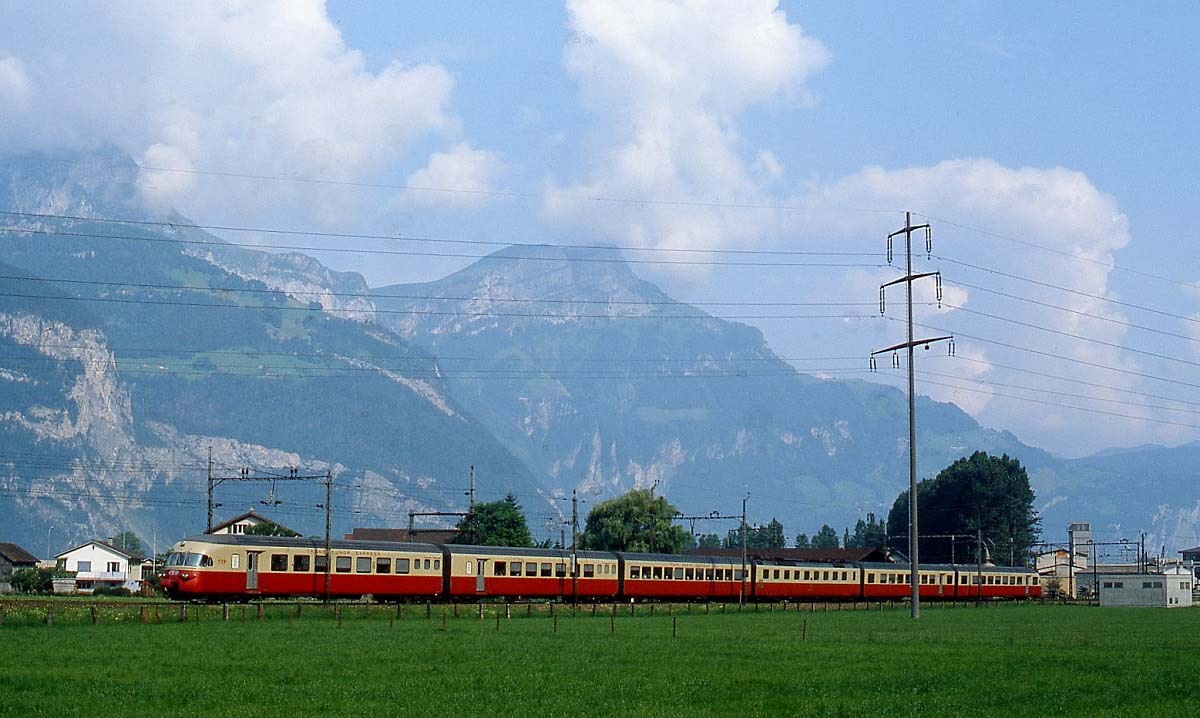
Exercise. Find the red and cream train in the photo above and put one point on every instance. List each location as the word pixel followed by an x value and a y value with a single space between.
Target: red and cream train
pixel 224 567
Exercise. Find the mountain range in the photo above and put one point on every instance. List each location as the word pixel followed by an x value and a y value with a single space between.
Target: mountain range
pixel 128 349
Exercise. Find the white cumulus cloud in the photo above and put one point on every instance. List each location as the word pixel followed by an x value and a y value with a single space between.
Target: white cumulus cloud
pixel 460 177
pixel 667 82
pixel 264 88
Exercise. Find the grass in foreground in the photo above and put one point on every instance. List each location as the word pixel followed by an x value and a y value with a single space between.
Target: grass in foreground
pixel 1028 660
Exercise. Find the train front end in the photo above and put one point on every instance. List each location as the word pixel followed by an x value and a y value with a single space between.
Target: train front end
pixel 191 572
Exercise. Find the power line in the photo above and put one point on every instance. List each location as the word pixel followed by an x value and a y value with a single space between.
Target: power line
pixel 1062 253
pixel 1069 290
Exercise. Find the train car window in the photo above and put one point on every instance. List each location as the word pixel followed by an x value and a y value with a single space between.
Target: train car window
pixel 514 568
pixel 300 562
pixel 545 570
pixel 560 569
pixel 739 575
pixel 469 567
pixel 321 563
pixel 787 575
pixel 499 568
pixel 656 571
pixel 279 562
pixel 589 570
pixel 679 573
pixel 235 560
pixel 531 569
pixel 635 571
pixel 341 564
pixel 362 564
pixel 383 565
pixel 807 576
pixel 689 573
pixel 401 565
pixel 871 577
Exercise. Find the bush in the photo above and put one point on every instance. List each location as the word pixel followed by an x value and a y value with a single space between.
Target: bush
pixel 33 580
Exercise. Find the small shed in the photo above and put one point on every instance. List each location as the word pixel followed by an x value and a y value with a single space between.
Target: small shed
pixel 1149 590
pixel 13 557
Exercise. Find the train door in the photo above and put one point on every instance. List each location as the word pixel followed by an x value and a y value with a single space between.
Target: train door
pixel 479 575
pixel 252 570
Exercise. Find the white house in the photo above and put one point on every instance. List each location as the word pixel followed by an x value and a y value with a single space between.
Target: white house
pixel 241 524
pixel 1154 590
pixel 97 564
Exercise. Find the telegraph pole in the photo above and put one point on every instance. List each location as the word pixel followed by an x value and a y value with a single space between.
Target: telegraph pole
pixel 908 279
pixel 471 506
pixel 574 547
pixel 208 526
pixel 742 589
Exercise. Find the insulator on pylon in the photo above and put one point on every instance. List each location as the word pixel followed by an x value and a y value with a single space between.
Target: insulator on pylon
pixel 895 360
pixel 882 306
pixel 928 243
pixel 950 349
pixel 889 250
pixel 937 281
pixel 874 367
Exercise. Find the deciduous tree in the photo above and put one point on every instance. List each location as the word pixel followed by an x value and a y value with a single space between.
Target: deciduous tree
pixel 634 522
pixel 497 523
pixel 980 493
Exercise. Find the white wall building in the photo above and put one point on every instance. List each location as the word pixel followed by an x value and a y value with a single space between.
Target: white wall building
pixel 97 564
pixel 1153 590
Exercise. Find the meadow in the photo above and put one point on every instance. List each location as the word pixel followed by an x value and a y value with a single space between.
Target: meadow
pixel 966 661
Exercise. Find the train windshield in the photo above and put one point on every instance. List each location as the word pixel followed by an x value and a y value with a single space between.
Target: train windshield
pixel 193 560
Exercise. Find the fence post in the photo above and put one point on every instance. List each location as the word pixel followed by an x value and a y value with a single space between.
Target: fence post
pixel 49 615
pixel 224 611
pixel 183 613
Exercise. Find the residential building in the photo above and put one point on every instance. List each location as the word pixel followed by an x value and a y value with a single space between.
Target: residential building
pixel 97 564
pixel 239 525
pixel 13 557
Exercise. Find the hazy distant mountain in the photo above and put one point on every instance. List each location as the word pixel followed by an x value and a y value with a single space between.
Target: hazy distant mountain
pixel 139 354
pixel 601 382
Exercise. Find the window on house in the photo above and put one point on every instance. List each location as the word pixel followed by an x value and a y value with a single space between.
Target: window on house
pixel 300 562
pixel 237 529
pixel 84 566
pixel 114 566
pixel 1116 584
pixel 279 562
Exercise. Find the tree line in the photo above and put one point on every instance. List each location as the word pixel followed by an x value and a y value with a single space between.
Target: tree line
pixel 979 495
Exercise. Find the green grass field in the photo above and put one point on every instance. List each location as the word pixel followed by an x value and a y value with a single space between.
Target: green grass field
pixel 992 661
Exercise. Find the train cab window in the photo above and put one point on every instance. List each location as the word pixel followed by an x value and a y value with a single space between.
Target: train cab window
pixel 279 562
pixel 235 560
pixel 321 563
pixel 341 564
pixel 499 568
pixel 362 564
pixel 514 568
pixel 383 565
pixel 300 562
pixel 545 570
pixel 402 565
pixel 531 569
pixel 560 570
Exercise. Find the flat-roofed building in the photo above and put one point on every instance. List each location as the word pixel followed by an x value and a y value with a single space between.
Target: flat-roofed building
pixel 1148 590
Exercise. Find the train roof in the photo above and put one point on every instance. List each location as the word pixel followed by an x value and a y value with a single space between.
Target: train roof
pixel 311 542
pixel 960 567
pixel 560 553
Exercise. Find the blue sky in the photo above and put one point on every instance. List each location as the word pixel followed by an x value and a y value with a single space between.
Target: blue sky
pixel 1069 128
